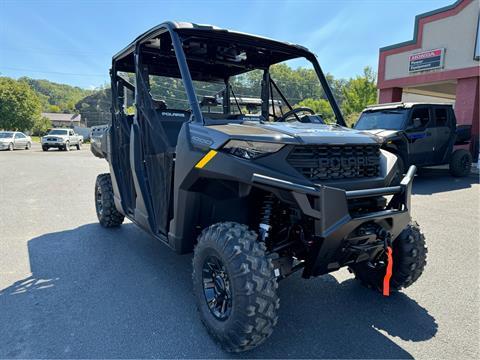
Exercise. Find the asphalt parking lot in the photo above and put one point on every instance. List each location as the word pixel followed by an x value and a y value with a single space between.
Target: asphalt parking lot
pixel 71 289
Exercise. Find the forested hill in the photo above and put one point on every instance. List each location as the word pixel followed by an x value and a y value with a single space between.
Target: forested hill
pixel 299 86
pixel 55 97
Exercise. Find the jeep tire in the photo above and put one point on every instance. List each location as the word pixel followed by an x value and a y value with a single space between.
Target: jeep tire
pixel 409 260
pixel 229 255
pixel 461 163
pixel 107 213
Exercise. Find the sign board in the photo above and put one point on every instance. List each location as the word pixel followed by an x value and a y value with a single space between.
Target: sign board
pixel 426 60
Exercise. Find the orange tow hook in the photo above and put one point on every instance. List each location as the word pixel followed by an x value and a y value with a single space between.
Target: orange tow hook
pixel 388 273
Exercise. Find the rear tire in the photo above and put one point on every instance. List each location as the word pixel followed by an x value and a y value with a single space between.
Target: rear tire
pixel 409 261
pixel 461 163
pixel 252 302
pixel 107 213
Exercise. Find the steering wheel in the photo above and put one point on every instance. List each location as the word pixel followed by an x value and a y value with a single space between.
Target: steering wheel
pixel 294 112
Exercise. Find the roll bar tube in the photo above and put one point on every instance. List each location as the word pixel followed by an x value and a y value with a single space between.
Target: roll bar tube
pixel 186 77
pixel 328 91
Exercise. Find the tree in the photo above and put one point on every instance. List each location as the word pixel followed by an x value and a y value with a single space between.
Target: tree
pixel 41 126
pixel 20 107
pixel 320 106
pixel 56 97
pixel 359 92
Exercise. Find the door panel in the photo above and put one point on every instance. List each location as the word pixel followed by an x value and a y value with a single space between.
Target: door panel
pixel 442 134
pixel 120 135
pixel 420 136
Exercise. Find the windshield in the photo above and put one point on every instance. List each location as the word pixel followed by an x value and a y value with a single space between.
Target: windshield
pixel 382 119
pixel 293 85
pixel 58 132
pixel 4 135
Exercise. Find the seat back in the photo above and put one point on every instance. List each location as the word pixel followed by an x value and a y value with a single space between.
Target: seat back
pixel 172 121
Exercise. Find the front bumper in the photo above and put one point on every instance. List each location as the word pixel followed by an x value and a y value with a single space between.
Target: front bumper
pixel 51 144
pixel 4 146
pixel 334 244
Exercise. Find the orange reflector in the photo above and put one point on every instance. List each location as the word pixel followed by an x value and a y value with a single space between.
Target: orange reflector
pixel 388 273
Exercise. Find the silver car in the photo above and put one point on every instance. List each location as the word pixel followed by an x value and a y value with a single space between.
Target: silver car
pixel 10 140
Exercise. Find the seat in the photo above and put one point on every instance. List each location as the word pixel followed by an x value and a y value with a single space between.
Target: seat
pixel 172 121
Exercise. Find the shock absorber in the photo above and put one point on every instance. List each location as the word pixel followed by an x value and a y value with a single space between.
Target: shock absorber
pixel 265 216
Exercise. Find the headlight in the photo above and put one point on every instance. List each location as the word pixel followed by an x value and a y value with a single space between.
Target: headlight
pixel 250 149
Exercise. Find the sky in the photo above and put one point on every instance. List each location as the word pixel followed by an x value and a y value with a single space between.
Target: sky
pixel 72 42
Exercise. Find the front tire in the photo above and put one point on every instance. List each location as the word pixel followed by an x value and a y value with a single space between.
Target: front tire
pixel 107 213
pixel 409 261
pixel 29 146
pixel 461 163
pixel 237 300
pixel 67 146
pixel 79 145
pixel 10 147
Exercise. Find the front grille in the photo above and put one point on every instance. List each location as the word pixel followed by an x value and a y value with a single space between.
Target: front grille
pixel 330 162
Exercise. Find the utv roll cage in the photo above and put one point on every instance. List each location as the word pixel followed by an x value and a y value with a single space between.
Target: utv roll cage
pixel 191 52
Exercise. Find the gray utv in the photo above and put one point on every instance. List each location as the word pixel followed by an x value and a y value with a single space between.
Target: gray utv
pixel 255 196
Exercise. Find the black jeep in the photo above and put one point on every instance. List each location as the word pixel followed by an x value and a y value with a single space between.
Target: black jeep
pixel 258 196
pixel 420 134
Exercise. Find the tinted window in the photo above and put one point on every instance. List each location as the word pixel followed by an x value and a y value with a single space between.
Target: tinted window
pixel 441 117
pixel 423 116
pixel 20 136
pixel 4 135
pixel 58 132
pixel 71 133
pixel 393 119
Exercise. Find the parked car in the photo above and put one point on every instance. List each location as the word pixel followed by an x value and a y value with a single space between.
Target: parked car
pixel 420 134
pixel 254 200
pixel 61 139
pixel 10 140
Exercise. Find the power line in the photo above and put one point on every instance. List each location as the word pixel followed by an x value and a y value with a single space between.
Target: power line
pixel 49 72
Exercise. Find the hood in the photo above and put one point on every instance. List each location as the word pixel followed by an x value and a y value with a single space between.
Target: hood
pixel 383 134
pixel 297 132
pixel 55 136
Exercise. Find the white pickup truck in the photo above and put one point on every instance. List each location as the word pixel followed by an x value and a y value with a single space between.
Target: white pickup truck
pixel 61 139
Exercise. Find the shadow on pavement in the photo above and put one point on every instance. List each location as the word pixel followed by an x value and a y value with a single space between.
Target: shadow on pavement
pixel 97 293
pixel 430 181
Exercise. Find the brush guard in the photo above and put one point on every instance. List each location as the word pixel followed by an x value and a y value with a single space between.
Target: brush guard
pixel 334 223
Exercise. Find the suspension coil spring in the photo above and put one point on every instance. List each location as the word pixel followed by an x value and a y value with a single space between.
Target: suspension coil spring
pixel 265 216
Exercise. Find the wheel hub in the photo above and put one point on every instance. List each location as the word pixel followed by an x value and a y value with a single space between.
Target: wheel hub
pixel 216 288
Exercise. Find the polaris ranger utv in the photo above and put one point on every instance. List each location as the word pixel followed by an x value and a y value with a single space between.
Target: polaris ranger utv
pixel 255 197
pixel 420 134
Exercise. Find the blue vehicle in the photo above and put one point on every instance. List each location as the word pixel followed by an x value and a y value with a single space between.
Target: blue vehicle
pixel 420 134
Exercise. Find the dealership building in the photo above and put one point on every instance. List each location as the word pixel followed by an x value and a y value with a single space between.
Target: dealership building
pixel 440 63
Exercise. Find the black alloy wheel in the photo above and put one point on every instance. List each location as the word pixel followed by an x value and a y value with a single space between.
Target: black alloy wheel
pixel 216 288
